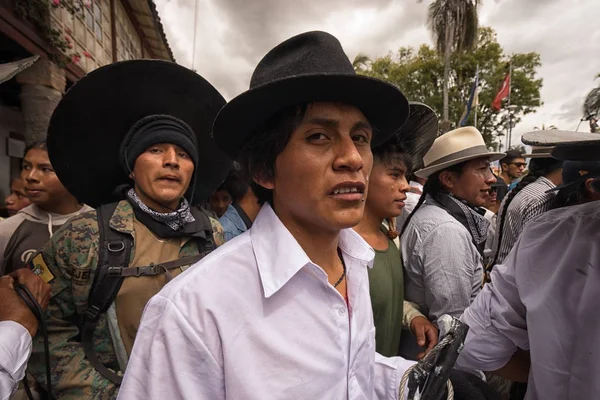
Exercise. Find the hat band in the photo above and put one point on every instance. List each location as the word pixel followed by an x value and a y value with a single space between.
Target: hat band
pixel 471 151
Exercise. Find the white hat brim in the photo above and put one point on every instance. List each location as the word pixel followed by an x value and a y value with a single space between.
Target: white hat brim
pixel 559 138
pixel 538 155
pixel 428 171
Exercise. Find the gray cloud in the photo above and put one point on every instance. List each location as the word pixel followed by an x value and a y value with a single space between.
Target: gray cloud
pixel 233 35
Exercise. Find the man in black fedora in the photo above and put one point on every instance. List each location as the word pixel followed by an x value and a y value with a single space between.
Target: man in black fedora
pixel 283 310
pixel 131 139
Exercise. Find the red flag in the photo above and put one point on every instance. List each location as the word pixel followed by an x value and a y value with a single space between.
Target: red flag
pixel 502 93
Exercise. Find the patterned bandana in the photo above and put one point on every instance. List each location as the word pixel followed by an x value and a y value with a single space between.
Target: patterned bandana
pixel 470 217
pixel 175 220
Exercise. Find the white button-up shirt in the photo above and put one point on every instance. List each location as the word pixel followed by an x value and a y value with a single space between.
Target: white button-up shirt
pixel 256 319
pixel 15 349
pixel 544 298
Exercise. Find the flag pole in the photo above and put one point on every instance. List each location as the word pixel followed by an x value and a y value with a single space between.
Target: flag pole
pixel 476 97
pixel 509 135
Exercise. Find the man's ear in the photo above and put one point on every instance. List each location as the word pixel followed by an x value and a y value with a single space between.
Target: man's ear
pixel 447 179
pixel 265 180
pixel 592 185
pixel 504 167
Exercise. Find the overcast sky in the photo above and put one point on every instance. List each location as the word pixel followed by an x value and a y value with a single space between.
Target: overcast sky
pixel 233 35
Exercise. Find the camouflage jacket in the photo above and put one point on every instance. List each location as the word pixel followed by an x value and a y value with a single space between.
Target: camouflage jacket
pixel 69 262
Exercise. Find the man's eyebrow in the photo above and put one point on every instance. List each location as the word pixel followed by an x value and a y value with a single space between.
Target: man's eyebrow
pixel 327 122
pixel 334 124
pixel 361 125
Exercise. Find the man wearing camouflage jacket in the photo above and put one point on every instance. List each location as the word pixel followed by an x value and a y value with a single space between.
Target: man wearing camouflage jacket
pixel 167 162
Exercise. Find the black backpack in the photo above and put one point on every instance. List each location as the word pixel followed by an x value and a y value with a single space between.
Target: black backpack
pixel 113 266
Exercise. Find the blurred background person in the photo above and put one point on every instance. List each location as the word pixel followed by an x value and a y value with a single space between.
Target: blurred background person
pixel 17 199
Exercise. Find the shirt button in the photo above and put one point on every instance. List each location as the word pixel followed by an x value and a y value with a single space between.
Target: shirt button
pixel 342 310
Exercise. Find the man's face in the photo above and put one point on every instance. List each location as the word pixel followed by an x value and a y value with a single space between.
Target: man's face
pixel 321 177
pixel 515 168
pixel 162 175
pixel 42 186
pixel 492 198
pixel 17 199
pixel 219 201
pixel 473 184
pixel 387 188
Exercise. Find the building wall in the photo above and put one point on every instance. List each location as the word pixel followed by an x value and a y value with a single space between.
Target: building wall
pixel 10 121
pixel 91 35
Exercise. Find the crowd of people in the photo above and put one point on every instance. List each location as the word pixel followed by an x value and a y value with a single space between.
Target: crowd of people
pixel 303 241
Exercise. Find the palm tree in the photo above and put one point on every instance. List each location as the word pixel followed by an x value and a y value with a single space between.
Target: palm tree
pixel 591 108
pixel 453 24
pixel 361 62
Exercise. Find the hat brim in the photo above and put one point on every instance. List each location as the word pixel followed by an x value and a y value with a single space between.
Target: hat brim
pixel 384 106
pixel 559 138
pixel 419 132
pixel 94 116
pixel 577 152
pixel 538 155
pixel 427 172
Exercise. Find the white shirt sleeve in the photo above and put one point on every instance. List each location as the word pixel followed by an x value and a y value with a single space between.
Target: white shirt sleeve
pixel 496 319
pixel 165 347
pixel 388 374
pixel 15 349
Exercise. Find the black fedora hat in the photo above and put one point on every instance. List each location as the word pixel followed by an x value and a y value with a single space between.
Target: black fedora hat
pixel 92 119
pixel 307 68
pixel 418 133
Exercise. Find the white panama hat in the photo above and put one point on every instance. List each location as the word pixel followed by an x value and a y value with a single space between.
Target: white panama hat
pixel 457 146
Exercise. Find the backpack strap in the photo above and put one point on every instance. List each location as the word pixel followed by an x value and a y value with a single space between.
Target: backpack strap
pixel 153 269
pixel 114 251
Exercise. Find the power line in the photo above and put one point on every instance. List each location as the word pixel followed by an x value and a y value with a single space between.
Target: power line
pixel 195 34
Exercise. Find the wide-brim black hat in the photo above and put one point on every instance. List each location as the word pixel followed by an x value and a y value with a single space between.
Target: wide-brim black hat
pixel 310 67
pixel 418 133
pixel 569 145
pixel 93 117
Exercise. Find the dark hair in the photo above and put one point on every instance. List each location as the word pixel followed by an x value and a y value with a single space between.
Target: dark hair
pixel 393 152
pixel 538 167
pixel 237 184
pixel 388 154
pixel 258 155
pixel 434 188
pixel 510 156
pixel 571 195
pixel 40 145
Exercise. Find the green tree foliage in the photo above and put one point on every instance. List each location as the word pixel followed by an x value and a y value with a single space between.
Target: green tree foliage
pixel 419 74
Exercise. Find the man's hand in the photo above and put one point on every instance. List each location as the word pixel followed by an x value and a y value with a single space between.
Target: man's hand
pixel 426 334
pixel 36 285
pixel 13 307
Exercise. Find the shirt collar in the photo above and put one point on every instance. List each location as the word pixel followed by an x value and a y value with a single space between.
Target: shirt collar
pixel 416 185
pixel 279 256
pixel 548 182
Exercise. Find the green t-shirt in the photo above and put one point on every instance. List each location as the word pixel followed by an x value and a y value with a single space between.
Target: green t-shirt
pixel 386 285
